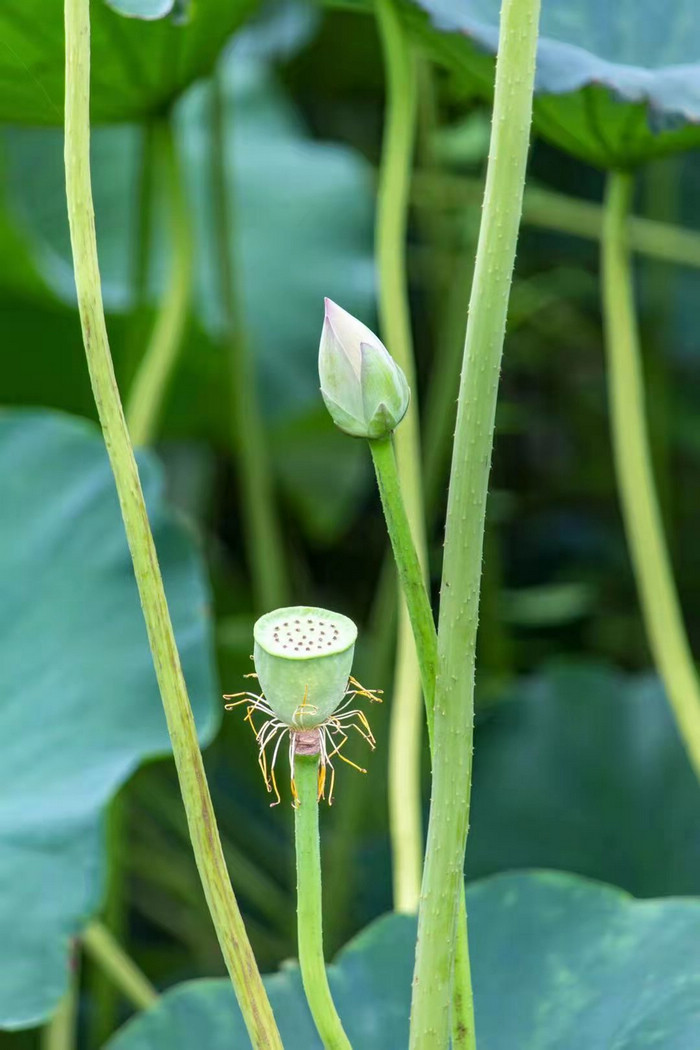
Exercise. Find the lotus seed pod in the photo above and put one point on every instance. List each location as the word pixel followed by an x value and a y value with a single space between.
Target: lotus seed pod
pixel 303 658
pixel 363 388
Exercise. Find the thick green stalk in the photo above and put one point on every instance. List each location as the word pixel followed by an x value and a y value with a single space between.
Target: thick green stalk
pixel 640 507
pixel 150 384
pixel 222 903
pixel 466 511
pixel 309 907
pixel 125 975
pixel 546 209
pixel 263 539
pixel 405 808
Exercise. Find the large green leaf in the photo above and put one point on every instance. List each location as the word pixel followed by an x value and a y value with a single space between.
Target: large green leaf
pixel 582 769
pixel 616 83
pixel 137 67
pixel 79 705
pixel 558 963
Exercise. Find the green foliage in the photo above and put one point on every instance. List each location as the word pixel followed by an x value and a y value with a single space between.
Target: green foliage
pixel 272 160
pixel 581 769
pixel 616 84
pixel 139 67
pixel 80 705
pixel 559 964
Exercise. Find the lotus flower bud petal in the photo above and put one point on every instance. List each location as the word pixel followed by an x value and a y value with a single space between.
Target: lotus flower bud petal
pixel 363 388
pixel 303 658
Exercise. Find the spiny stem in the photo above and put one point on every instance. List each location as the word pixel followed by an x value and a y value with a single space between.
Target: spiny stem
pixel 309 907
pixel 116 964
pixel 264 545
pixel 148 389
pixel 454 687
pixel 226 916
pixel 640 507
pixel 405 806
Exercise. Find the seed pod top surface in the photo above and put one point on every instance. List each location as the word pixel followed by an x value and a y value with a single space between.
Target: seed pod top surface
pixel 303 659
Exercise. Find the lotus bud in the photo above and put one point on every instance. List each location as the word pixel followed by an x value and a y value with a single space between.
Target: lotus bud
pixel 363 388
pixel 303 658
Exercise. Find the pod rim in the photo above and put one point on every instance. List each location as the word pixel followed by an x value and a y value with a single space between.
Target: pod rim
pixel 289 620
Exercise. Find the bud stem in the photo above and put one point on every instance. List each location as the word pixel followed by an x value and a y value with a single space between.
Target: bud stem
pixel 466 511
pixel 426 642
pixel 235 947
pixel 408 566
pixel 309 906
pixel 651 563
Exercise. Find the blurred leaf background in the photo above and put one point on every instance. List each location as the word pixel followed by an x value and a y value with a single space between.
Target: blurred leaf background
pixel 578 765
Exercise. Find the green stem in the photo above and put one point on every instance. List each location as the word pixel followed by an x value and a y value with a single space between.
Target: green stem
pixel 226 916
pixel 261 527
pixel 466 512
pixel 105 999
pixel 393 199
pixel 309 911
pixel 426 642
pixel 102 947
pixel 140 263
pixel 548 210
pixel 150 384
pixel 408 565
pixel 640 508
pixel 61 1031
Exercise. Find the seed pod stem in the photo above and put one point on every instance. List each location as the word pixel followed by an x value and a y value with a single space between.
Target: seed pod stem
pixel 309 908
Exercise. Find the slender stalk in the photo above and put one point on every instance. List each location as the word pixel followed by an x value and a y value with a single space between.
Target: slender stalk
pixel 124 974
pixel 548 210
pixel 226 916
pixel 309 910
pixel 150 384
pixel 140 262
pixel 408 565
pixel 640 507
pixel 261 527
pixel 104 995
pixel 426 641
pixel 61 1031
pixel 466 511
pixel 405 808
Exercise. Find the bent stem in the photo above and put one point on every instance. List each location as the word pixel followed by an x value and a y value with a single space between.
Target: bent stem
pixel 393 198
pixel 204 835
pixel 640 506
pixel 309 906
pixel 263 539
pixel 466 511
pixel 147 394
pixel 124 974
